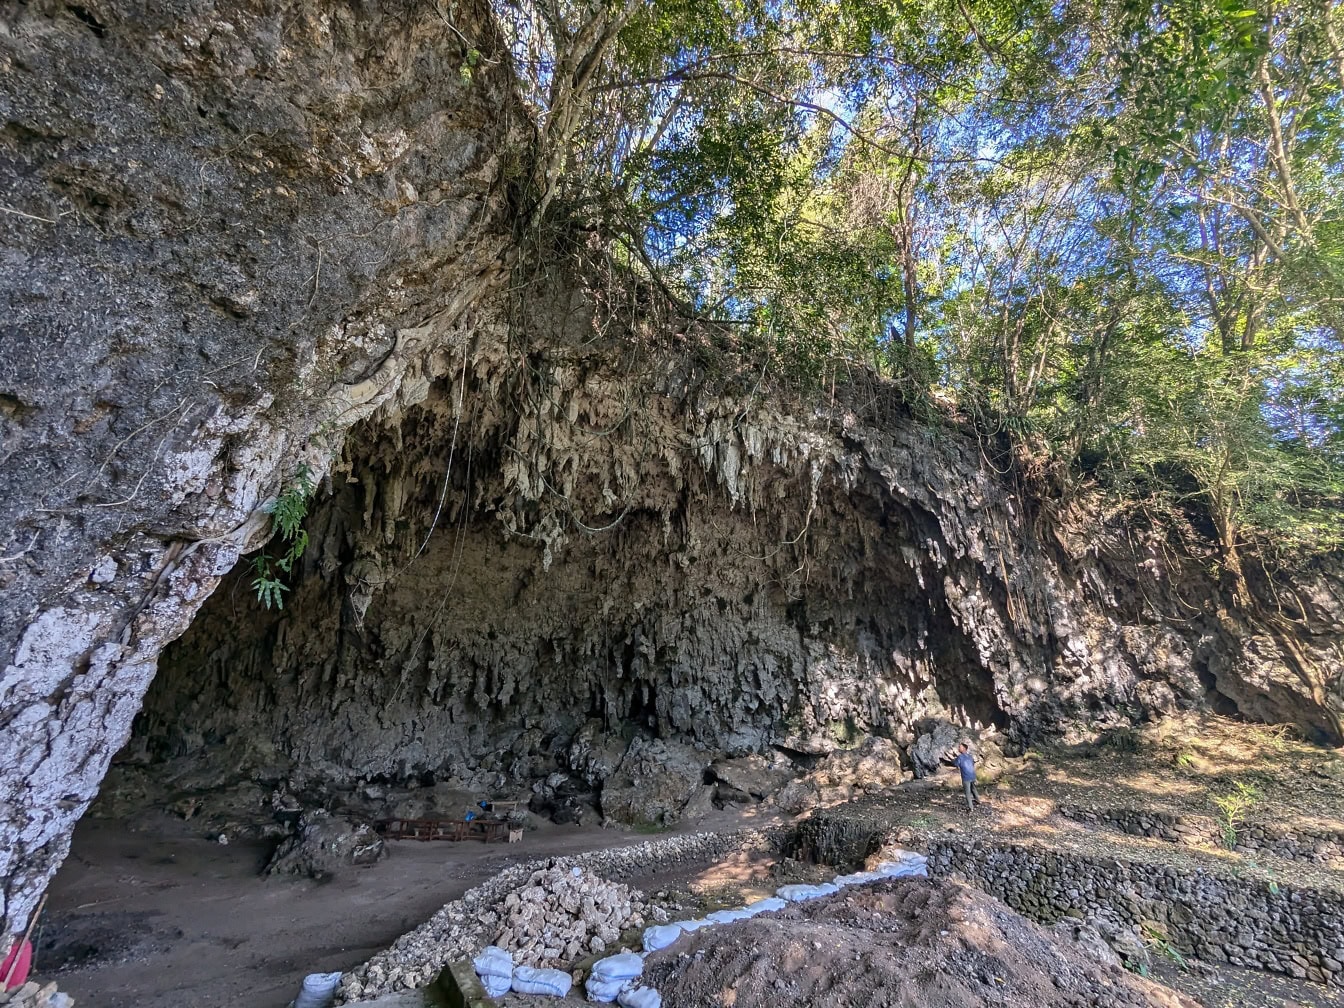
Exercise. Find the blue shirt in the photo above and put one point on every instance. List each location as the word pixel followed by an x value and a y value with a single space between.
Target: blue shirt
pixel 966 764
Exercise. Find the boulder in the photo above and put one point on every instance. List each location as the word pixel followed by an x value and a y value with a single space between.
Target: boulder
pixel 936 742
pixel 752 775
pixel 654 782
pixel 798 796
pixel 1088 940
pixel 871 768
pixel 324 846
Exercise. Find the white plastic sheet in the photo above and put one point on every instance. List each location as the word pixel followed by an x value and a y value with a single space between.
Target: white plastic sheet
pixel 728 916
pixel 692 925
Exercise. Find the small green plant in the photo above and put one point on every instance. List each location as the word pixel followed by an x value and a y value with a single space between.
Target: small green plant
pixel 1185 760
pixel 1156 939
pixel 469 65
pixel 1232 808
pixel 287 515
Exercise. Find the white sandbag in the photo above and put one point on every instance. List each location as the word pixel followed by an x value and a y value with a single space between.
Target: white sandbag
pixel 531 980
pixel 640 997
pixel 767 905
pixel 727 916
pixel 660 936
pixel 692 925
pixel 318 991
pixel 803 893
pixel 497 986
pixel 604 991
pixel 626 966
pixel 493 961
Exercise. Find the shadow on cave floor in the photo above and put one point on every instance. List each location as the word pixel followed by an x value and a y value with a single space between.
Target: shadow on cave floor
pixel 146 913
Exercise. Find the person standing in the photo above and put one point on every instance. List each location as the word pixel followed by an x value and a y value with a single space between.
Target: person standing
pixel 966 764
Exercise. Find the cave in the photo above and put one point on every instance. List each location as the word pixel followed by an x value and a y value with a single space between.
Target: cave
pixel 354 471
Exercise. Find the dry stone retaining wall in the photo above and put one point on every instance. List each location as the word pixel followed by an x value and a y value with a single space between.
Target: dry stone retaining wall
pixel 1284 929
pixel 1297 843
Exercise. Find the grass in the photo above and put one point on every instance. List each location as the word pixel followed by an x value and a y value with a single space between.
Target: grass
pixel 1232 809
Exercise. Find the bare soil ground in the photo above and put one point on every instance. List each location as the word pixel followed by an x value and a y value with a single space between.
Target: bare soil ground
pixel 148 914
pixel 907 943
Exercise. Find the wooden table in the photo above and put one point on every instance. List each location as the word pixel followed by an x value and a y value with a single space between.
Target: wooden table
pixel 482 828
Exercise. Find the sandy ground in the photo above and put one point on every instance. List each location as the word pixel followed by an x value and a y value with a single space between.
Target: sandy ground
pixel 149 915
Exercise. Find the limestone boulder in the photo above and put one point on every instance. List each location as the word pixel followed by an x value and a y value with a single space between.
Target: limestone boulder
pixel 752 776
pixel 324 846
pixel 936 743
pixel 872 767
pixel 655 781
pixel 1088 941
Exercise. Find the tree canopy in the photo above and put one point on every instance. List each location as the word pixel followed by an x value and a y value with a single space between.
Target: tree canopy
pixel 1111 234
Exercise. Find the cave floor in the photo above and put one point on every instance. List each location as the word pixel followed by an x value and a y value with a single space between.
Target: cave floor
pixel 146 913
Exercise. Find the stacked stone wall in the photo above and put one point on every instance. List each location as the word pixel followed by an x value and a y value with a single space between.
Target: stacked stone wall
pixel 1261 924
pixel 1316 845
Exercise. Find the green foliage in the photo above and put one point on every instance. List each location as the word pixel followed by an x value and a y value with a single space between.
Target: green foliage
pixel 467 70
pixel 1232 809
pixel 1110 236
pixel 287 515
pixel 1156 939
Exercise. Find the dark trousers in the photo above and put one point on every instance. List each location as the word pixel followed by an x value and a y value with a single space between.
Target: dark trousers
pixel 972 795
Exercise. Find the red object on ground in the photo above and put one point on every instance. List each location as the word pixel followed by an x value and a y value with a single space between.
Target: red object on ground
pixel 20 958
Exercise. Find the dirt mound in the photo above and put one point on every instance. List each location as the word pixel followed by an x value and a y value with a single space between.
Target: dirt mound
pixel 906 943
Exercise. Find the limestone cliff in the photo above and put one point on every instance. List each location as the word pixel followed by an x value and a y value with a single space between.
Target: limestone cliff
pixel 228 232
pixel 272 234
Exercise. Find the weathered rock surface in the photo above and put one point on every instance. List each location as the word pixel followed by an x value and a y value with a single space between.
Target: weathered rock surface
pixel 873 767
pixel 229 234
pixel 654 783
pixel 752 776
pixel 937 742
pixel 323 846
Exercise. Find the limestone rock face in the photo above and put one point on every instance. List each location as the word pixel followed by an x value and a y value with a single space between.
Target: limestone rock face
pixel 654 783
pixel 546 539
pixel 753 776
pixel 937 740
pixel 874 766
pixel 235 231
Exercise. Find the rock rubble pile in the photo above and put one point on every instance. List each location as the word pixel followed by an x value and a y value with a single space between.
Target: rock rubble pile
pixel 563 914
pixel 33 995
pixel 467 925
